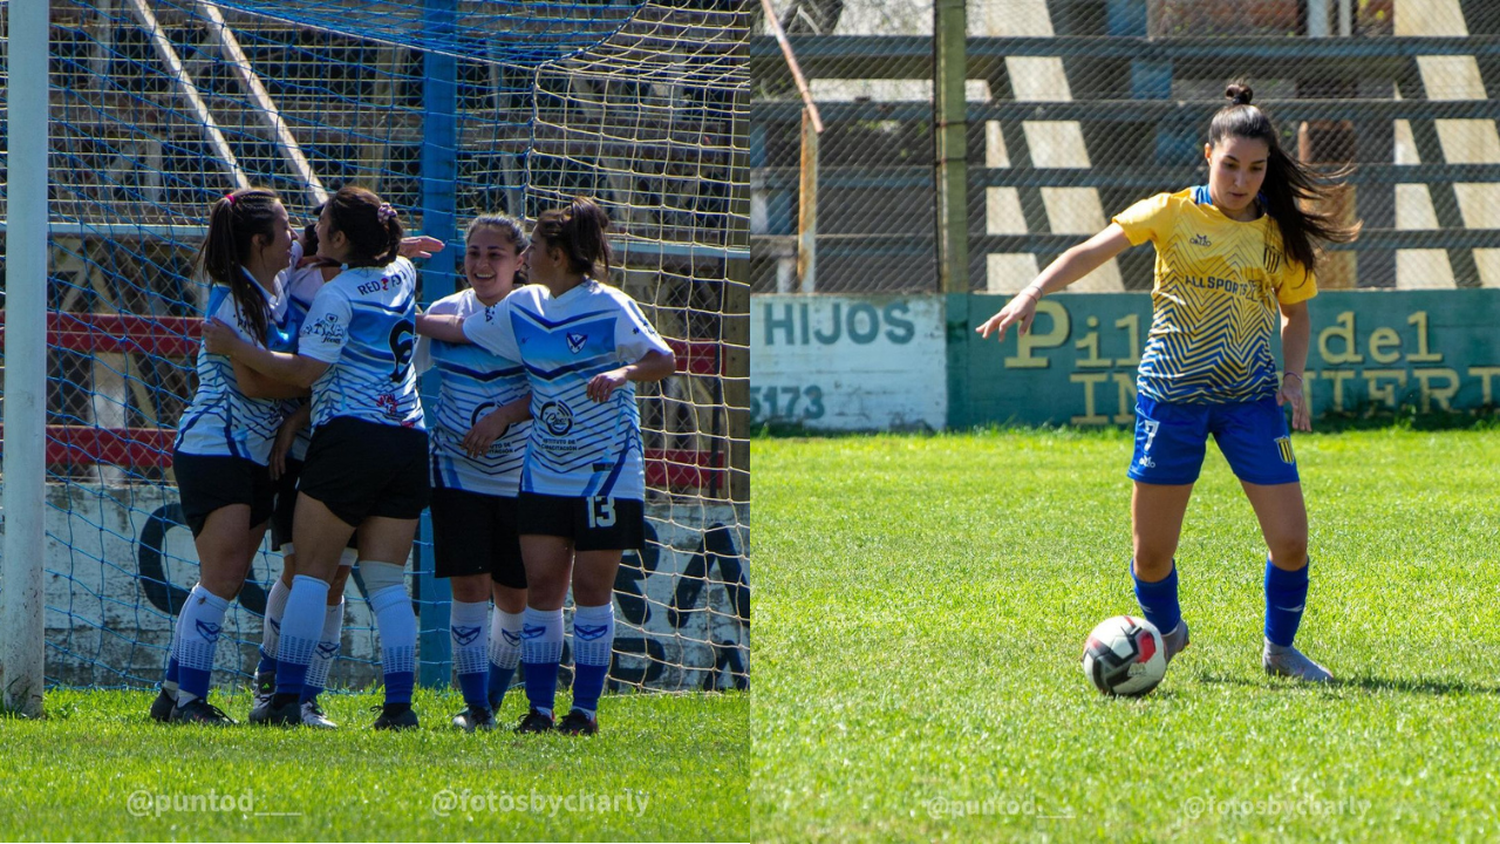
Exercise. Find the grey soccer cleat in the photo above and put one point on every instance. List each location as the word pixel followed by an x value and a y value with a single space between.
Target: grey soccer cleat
pixel 1175 641
pixel 1289 662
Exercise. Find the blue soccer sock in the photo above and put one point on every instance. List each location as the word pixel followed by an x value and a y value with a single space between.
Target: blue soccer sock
pixel 397 624
pixel 505 652
pixel 1158 600
pixel 301 626
pixel 270 637
pixel 467 623
pixel 593 642
pixel 541 654
pixel 329 644
pixel 201 622
pixel 1286 595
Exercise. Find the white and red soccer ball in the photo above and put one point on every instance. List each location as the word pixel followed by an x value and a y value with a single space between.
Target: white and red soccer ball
pixel 1125 655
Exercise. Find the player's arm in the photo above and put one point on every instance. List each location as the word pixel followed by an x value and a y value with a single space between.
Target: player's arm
pixel 653 366
pixel 446 327
pixel 1069 267
pixel 298 370
pixel 1296 336
pixel 258 386
pixel 493 425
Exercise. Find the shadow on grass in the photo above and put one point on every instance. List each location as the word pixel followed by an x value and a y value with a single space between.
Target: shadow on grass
pixel 1411 685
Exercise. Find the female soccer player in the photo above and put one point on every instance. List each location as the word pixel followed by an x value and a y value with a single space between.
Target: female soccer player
pixel 1229 255
pixel 366 467
pixel 582 498
pixel 224 437
pixel 478 439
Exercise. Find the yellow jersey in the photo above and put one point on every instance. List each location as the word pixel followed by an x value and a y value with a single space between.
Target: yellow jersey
pixel 1214 300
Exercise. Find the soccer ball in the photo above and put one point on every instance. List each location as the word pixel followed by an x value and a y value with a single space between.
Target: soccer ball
pixel 1125 656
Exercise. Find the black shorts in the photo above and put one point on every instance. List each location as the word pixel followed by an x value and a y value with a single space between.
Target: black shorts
pixel 476 534
pixel 206 482
pixel 594 524
pixel 359 469
pixel 286 506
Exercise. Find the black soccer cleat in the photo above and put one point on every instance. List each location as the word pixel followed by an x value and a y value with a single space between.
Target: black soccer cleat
pixel 404 719
pixel 578 724
pixel 161 708
pixel 535 722
pixel 286 715
pixel 200 711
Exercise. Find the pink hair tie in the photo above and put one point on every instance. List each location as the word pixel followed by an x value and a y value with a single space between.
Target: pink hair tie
pixel 229 198
pixel 385 213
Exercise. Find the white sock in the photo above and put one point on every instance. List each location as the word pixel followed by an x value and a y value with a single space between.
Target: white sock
pixel 329 645
pixel 505 638
pixel 275 609
pixel 201 622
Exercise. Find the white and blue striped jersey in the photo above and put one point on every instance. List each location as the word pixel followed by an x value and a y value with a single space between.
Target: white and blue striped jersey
pixel 303 283
pixel 363 324
pixel 578 447
pixel 472 383
pixel 222 420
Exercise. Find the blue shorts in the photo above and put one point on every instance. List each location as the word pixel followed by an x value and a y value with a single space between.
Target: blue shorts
pixel 1169 441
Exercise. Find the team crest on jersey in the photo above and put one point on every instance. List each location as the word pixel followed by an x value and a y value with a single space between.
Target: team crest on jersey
pixel 1272 259
pixel 557 417
pixel 1284 444
pixel 576 341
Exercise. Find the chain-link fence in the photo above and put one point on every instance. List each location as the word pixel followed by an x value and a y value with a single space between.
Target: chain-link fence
pixel 1077 108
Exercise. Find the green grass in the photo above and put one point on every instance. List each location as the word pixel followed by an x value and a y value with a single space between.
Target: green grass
pixel 663 767
pixel 921 605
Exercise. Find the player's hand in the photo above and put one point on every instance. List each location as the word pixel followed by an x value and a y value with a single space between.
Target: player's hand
pixel 219 338
pixel 484 433
pixel 1020 309
pixel 421 246
pixel 602 385
pixel 286 437
pixel 1293 393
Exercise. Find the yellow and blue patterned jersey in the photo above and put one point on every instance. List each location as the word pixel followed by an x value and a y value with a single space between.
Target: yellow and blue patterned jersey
pixel 1214 302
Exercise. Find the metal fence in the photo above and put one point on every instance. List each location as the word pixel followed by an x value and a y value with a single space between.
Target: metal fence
pixel 1077 108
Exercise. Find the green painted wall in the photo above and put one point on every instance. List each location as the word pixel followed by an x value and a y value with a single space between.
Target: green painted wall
pixel 1432 349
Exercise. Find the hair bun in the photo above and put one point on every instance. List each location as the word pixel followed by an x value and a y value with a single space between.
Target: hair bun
pixel 1239 93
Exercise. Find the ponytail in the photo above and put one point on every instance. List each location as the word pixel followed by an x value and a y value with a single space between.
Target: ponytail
pixel 372 226
pixel 1289 183
pixel 580 232
pixel 233 222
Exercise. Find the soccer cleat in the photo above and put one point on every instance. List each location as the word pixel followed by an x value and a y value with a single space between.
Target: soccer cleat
pixel 265 689
pixel 161 708
pixel 286 715
pixel 1289 662
pixel 200 711
pixel 474 718
pixel 403 720
pixel 578 724
pixel 535 722
pixel 1175 641
pixel 312 716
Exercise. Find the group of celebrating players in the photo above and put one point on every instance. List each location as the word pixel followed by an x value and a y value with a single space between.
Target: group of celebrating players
pixel 307 418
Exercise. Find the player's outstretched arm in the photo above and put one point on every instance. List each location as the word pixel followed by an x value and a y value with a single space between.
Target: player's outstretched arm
pixel 1068 268
pixel 298 370
pixel 653 366
pixel 1296 335
pixel 446 327
pixel 493 425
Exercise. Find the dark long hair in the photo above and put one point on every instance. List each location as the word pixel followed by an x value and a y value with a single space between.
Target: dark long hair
pixel 233 222
pixel 371 224
pixel 579 231
pixel 1288 182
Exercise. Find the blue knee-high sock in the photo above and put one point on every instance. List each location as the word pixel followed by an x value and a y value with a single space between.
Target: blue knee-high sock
pixel 202 620
pixel 1286 594
pixel 301 626
pixel 329 643
pixel 593 642
pixel 468 632
pixel 505 652
pixel 397 624
pixel 1159 600
pixel 270 638
pixel 541 653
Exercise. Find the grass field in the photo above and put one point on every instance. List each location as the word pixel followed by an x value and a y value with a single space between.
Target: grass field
pixel 664 767
pixel 921 605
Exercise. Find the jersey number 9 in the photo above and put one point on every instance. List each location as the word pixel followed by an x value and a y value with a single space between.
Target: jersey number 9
pixel 403 344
